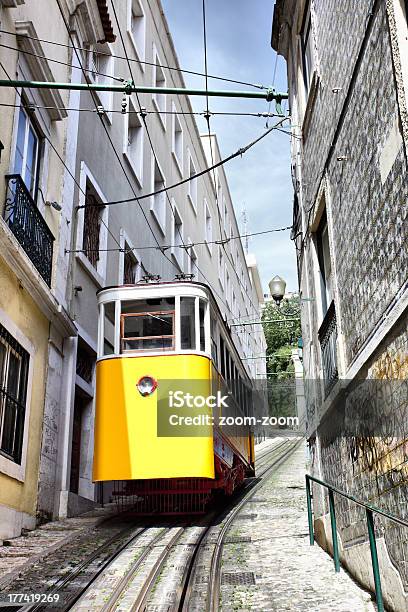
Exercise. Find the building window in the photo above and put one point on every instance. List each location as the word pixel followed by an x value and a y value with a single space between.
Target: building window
pixel 221 270
pixel 158 201
pixel 14 361
pixel 101 68
pixel 192 262
pixel 133 141
pixel 159 80
pixel 225 213
pixel 192 184
pixel 27 153
pixel 92 225
pixel 227 287
pixel 208 226
pixel 131 267
pixel 307 48
pixel 177 237
pixel 85 362
pixel 177 141
pixel 325 267
pixel 137 29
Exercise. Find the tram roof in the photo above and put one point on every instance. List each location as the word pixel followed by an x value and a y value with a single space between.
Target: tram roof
pixel 179 285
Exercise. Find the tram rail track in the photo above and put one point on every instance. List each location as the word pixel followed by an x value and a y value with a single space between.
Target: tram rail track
pixel 214 577
pixel 66 582
pixel 271 459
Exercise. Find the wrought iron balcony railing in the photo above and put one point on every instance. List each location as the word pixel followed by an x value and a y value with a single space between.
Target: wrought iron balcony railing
pixel 28 225
pixel 328 344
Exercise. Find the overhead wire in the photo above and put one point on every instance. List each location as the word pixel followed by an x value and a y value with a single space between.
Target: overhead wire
pixel 111 76
pixel 207 170
pixel 57 153
pixel 106 129
pixel 55 61
pixel 207 117
pixel 187 247
pixel 193 244
pixel 137 61
pixel 145 111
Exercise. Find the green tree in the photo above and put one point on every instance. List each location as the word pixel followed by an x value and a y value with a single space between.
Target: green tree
pixel 281 337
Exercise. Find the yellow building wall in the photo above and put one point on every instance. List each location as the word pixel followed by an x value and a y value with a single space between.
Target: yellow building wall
pixel 22 310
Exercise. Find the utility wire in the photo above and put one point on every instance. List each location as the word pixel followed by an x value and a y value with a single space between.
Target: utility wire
pixel 194 244
pixel 240 152
pixel 137 61
pixel 49 59
pixel 105 128
pixel 57 152
pixel 147 111
pixel 153 112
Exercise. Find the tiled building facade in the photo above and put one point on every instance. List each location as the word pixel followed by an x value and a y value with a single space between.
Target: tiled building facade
pixel 348 85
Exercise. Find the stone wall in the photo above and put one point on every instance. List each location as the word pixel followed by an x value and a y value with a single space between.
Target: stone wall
pixel 361 442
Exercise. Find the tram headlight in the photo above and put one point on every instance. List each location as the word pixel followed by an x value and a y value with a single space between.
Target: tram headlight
pixel 146 385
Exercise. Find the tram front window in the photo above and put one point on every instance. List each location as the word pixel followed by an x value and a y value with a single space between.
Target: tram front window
pixel 148 325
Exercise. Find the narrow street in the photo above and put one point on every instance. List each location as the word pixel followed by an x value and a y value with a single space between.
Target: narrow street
pixel 255 556
pixel 204 305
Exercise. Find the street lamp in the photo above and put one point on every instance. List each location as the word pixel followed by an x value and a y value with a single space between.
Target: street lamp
pixel 277 288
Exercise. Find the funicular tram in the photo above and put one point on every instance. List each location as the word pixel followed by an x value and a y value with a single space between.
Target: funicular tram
pixel 149 334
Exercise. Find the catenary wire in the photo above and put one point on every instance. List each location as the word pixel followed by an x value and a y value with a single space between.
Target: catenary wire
pixel 106 130
pixel 193 244
pixel 189 246
pixel 154 154
pixel 238 153
pixel 148 112
pixel 207 117
pixel 137 61
pixel 58 154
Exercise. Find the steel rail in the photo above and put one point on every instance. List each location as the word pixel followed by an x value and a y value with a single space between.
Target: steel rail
pixel 56 588
pixel 124 582
pixel 184 591
pixel 213 592
pixel 140 602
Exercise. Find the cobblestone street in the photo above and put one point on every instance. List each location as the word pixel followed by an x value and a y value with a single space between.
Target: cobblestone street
pixel 267 562
pixel 288 573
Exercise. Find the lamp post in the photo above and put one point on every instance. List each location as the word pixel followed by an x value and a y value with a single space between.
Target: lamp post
pixel 277 288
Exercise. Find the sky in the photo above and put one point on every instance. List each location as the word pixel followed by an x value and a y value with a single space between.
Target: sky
pixel 238 47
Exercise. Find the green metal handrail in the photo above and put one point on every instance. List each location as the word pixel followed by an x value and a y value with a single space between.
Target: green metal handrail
pixel 370 509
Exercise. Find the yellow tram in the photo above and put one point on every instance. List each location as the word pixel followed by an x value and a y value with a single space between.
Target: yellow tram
pixel 150 335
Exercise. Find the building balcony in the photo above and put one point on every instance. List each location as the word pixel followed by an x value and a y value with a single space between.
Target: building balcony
pixel 28 226
pixel 328 343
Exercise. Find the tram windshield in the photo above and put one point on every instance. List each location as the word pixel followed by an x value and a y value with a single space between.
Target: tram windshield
pixel 147 325
pixel 152 325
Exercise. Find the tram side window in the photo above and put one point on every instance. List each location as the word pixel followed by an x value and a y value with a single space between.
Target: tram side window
pixel 109 329
pixel 201 311
pixel 228 359
pixel 187 323
pixel 222 355
pixel 147 325
pixel 214 351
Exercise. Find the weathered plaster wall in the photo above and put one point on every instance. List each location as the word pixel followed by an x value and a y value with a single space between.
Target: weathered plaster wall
pixel 16 495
